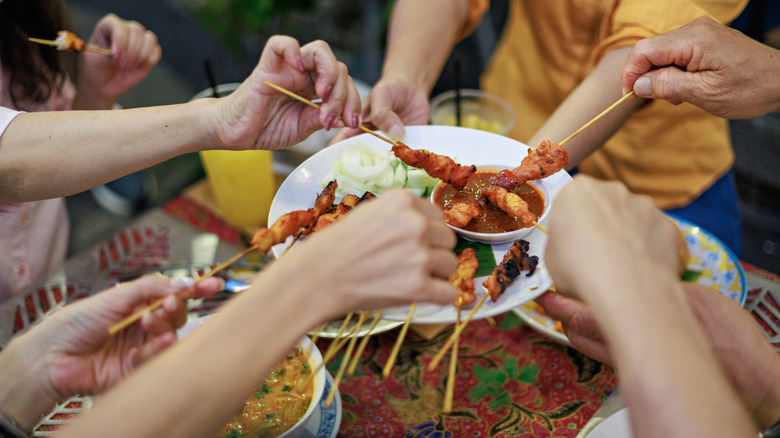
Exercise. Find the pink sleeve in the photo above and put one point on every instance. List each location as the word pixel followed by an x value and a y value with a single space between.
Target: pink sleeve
pixel 6 116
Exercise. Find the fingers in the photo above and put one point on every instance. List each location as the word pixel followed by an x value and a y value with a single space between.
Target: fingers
pixel 382 114
pixel 133 46
pixel 340 98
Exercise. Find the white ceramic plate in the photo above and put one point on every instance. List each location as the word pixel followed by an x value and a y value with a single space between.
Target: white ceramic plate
pixel 467 146
pixel 617 425
pixel 719 267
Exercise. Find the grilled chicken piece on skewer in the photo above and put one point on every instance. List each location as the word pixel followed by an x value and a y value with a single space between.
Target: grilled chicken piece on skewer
pixel 284 227
pixel 463 278
pixel 459 214
pixel 511 203
pixel 515 261
pixel 345 206
pixel 437 166
pixel 541 162
pixel 322 205
pixel 69 41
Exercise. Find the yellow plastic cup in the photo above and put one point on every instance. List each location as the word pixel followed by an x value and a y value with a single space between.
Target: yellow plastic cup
pixel 242 181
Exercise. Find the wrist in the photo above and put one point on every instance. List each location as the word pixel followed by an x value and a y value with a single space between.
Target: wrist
pixel 24 395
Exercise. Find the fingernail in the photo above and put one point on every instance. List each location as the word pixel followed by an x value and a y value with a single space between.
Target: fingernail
pixel 396 132
pixel 327 93
pixel 329 121
pixel 182 282
pixel 643 87
pixel 123 64
pixel 356 120
pixel 301 68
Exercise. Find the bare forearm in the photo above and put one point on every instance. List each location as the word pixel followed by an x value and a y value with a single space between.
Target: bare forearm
pixel 53 154
pixel 600 89
pixel 664 361
pixel 23 398
pixel 420 38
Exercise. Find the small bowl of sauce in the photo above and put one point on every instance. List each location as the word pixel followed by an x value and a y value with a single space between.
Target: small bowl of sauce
pixel 492 225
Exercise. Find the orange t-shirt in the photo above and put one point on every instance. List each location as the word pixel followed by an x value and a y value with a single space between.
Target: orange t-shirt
pixel 671 153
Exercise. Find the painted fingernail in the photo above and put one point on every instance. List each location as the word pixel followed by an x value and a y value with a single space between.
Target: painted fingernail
pixel 123 64
pixel 643 86
pixel 327 93
pixel 181 282
pixel 396 132
pixel 301 68
pixel 329 121
pixel 356 120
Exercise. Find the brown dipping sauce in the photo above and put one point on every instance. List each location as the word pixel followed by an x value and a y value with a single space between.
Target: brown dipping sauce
pixel 491 220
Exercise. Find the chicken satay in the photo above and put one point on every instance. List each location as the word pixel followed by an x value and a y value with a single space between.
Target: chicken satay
pixel 345 206
pixel 68 40
pixel 511 203
pixel 437 166
pixel 285 226
pixel 463 277
pixel 322 205
pixel 459 214
pixel 541 162
pixel 367 196
pixel 515 261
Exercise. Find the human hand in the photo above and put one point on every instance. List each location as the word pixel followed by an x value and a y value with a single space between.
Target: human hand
pixel 257 116
pixel 709 65
pixel 392 250
pixel 392 104
pixel 82 358
pixel 600 233
pixel 102 79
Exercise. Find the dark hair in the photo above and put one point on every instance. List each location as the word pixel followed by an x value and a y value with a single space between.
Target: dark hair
pixel 34 71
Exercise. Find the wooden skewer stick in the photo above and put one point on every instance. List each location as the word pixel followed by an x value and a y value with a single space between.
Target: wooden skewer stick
pixel 536 224
pixel 330 351
pixel 458 329
pixel 451 375
pixel 397 347
pixel 137 315
pixel 364 343
pixel 611 107
pixel 315 336
pixel 87 47
pixel 314 105
pixel 344 361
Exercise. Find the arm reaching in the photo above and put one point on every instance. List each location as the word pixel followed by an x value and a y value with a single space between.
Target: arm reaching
pixel 617 253
pixel 709 65
pixel 83 149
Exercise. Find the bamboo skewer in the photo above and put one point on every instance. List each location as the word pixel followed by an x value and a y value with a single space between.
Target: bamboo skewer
pixel 87 47
pixel 397 347
pixel 458 329
pixel 611 107
pixel 314 105
pixel 536 224
pixel 451 375
pixel 137 315
pixel 344 361
pixel 364 342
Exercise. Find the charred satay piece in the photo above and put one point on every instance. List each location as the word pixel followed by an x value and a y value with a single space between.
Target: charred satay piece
pixel 367 196
pixel 285 226
pixel 345 206
pixel 437 166
pixel 463 278
pixel 459 214
pixel 322 205
pixel 541 162
pixel 511 203
pixel 515 261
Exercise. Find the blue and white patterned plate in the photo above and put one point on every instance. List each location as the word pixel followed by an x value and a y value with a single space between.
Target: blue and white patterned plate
pixel 325 421
pixel 719 268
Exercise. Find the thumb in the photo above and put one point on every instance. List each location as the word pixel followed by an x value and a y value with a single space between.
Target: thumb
pixel 668 83
pixel 388 122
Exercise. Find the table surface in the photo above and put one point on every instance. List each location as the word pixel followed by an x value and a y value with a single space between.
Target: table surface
pixel 511 381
